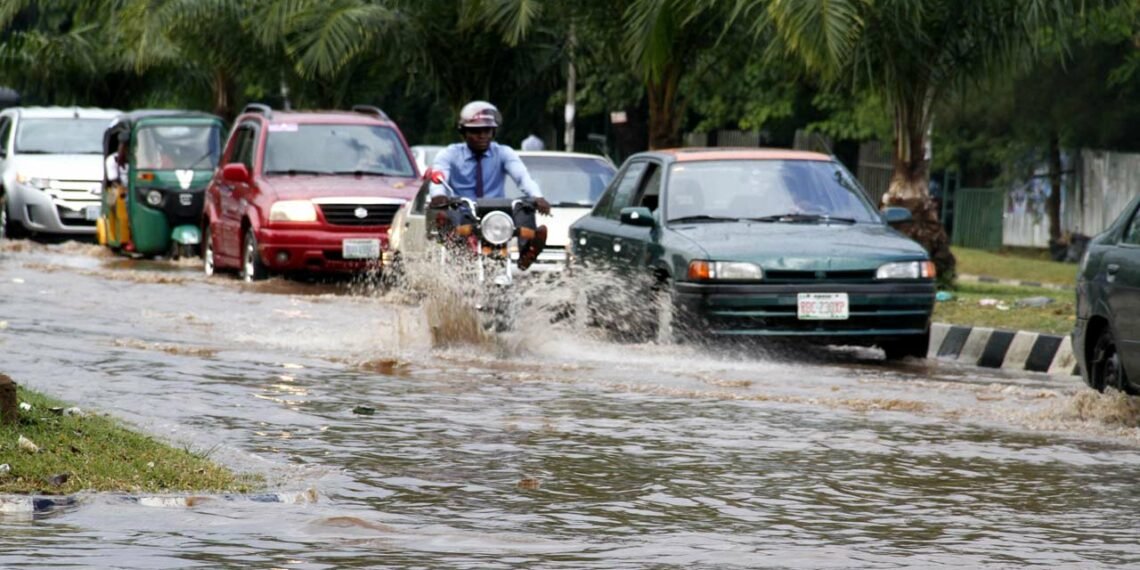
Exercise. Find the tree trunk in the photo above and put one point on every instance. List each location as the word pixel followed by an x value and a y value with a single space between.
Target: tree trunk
pixel 910 188
pixel 1054 202
pixel 665 109
pixel 223 88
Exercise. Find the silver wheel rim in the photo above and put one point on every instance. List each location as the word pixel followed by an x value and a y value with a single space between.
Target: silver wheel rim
pixel 208 254
pixel 247 261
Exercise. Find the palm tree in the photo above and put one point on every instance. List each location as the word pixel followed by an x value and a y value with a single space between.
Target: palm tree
pixel 915 52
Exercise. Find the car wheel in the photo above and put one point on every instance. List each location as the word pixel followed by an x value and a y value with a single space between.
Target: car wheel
pixel 1107 368
pixel 915 345
pixel 208 250
pixel 3 218
pixel 10 228
pixel 252 268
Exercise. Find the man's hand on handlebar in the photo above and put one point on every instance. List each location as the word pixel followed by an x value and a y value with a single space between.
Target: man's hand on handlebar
pixel 542 206
pixel 438 201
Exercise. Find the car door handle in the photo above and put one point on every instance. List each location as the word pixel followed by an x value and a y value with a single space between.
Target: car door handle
pixel 1112 268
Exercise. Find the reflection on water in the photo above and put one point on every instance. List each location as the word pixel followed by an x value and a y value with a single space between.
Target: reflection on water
pixel 552 446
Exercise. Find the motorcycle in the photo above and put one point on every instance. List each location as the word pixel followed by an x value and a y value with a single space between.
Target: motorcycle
pixel 481 245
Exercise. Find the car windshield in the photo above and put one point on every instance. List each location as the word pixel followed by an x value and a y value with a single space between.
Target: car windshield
pixel 335 149
pixel 767 190
pixel 170 147
pixel 566 180
pixel 61 136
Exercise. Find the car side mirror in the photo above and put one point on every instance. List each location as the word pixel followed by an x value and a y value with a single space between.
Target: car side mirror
pixel 235 172
pixel 639 216
pixel 896 215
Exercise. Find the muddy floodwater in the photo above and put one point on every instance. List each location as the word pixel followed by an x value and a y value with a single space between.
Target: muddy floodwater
pixel 547 447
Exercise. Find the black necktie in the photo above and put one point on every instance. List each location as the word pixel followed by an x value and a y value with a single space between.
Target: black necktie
pixel 479 175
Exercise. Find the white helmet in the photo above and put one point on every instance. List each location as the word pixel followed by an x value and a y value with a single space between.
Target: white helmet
pixel 479 114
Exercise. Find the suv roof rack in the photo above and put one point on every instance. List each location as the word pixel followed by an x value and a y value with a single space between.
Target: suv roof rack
pixel 370 110
pixel 261 108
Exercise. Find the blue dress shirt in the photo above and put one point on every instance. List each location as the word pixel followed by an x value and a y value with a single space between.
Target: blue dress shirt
pixel 457 163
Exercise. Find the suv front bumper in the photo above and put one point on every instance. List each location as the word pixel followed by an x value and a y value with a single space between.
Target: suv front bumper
pixel 320 250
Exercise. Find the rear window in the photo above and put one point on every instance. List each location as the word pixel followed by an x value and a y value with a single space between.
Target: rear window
pixel 61 136
pixel 335 149
pixel 566 180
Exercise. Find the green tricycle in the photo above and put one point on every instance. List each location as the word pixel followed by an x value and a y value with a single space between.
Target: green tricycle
pixel 157 166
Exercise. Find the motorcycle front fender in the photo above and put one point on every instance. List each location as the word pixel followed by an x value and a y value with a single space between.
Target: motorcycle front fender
pixel 186 234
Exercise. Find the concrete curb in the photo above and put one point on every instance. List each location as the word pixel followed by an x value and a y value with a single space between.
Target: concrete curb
pixel 1008 350
pixel 43 504
pixel 1012 282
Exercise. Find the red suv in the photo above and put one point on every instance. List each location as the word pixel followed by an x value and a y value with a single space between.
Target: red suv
pixel 306 191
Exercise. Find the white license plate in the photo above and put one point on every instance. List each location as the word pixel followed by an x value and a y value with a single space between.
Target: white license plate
pixel 822 306
pixel 360 248
pixel 92 213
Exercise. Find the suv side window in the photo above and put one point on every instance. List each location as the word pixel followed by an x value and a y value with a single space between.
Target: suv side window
pixel 243 145
pixel 620 192
pixel 5 131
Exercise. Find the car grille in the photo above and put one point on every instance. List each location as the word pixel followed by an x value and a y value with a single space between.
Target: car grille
pixel 782 276
pixel 346 214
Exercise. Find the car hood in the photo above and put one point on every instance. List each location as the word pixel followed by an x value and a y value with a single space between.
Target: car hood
pixel 810 247
pixel 309 187
pixel 59 166
pixel 558 223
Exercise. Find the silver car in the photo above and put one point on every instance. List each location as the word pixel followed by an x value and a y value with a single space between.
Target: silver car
pixel 51 169
pixel 570 181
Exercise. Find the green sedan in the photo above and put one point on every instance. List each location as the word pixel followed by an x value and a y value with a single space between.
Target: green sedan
pixel 1106 339
pixel 757 242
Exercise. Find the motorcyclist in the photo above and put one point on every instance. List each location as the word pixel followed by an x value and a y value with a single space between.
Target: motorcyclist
pixel 477 167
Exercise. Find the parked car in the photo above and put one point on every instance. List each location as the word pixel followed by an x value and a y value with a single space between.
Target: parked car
pixel 570 181
pixel 51 169
pixel 1106 338
pixel 305 192
pixel 425 154
pixel 759 242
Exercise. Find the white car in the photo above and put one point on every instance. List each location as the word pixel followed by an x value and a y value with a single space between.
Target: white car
pixel 425 154
pixel 570 181
pixel 51 169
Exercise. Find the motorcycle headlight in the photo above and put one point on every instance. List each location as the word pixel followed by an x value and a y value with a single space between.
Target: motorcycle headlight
pixel 701 270
pixel 41 183
pixel 154 197
pixel 497 228
pixel 906 270
pixel 293 211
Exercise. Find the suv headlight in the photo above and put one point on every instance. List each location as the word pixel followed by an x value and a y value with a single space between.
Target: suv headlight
pixel 701 270
pixel 906 270
pixel 497 228
pixel 293 211
pixel 41 183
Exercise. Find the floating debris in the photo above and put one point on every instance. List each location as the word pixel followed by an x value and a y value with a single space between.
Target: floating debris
pixel 529 483
pixel 58 479
pixel 5 469
pixel 364 410
pixel 25 406
pixel 28 445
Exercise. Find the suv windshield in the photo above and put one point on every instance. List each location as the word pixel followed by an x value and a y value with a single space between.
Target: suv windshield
pixel 566 180
pixel 171 147
pixel 335 149
pixel 768 190
pixel 61 136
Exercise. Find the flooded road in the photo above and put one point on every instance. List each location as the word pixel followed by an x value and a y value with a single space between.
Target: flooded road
pixel 545 449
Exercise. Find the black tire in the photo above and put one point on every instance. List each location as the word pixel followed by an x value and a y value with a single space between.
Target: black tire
pixel 1106 367
pixel 252 268
pixel 915 346
pixel 9 228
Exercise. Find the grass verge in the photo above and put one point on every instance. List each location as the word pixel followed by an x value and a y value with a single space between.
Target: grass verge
pixel 966 308
pixel 1014 264
pixel 91 452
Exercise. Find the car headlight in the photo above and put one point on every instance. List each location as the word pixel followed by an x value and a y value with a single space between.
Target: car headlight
pixel 701 270
pixel 293 211
pixel 154 198
pixel 906 270
pixel 41 183
pixel 497 228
